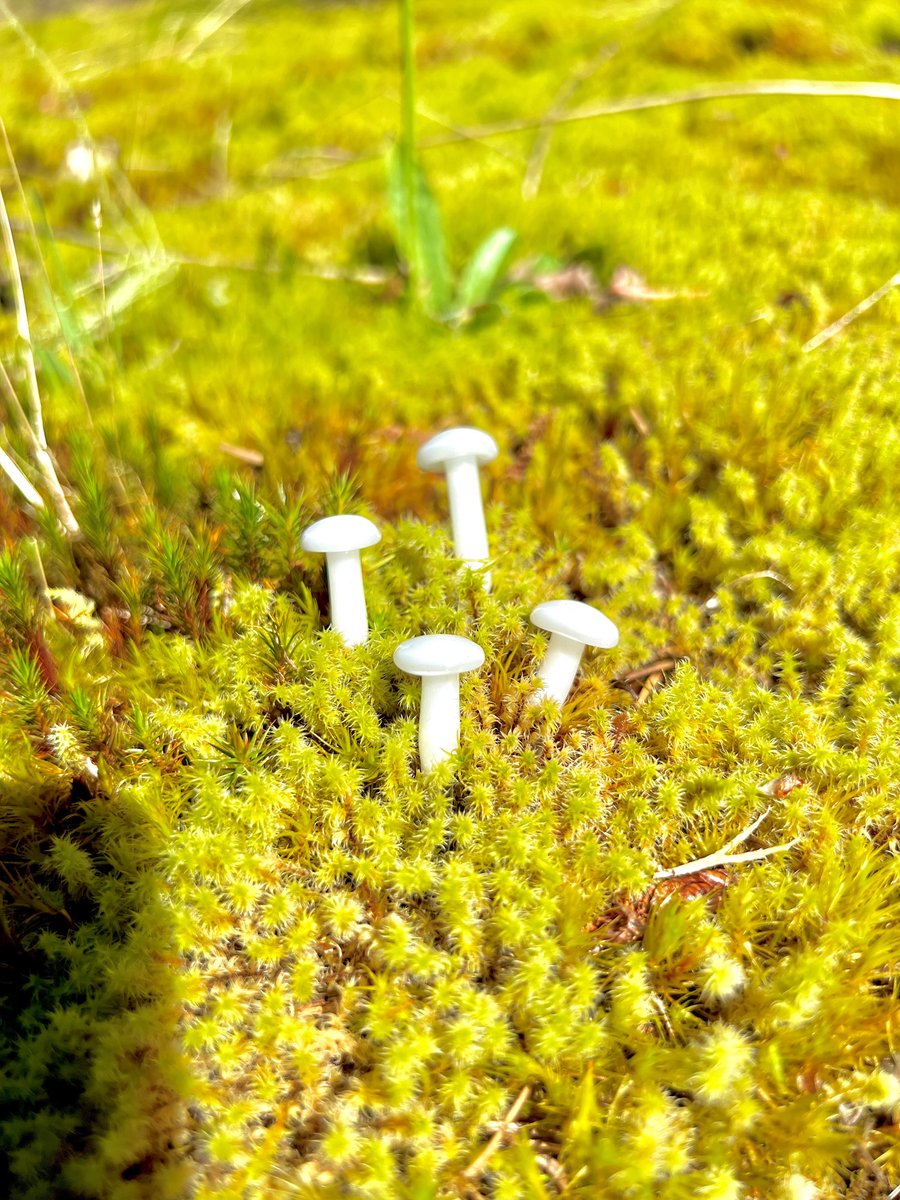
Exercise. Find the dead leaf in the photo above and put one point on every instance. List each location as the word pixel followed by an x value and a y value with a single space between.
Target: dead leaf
pixel 781 787
pixel 570 283
pixel 628 284
pixel 243 454
pixel 625 921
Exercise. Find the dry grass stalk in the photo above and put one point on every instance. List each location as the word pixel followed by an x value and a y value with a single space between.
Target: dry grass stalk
pixel 474 1169
pixel 31 425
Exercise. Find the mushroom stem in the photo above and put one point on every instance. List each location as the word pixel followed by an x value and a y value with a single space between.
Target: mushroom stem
pixel 557 671
pixel 439 719
pixel 346 596
pixel 467 512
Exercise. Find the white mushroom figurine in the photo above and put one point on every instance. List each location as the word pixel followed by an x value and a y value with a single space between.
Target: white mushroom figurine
pixel 572 626
pixel 439 658
pixel 340 539
pixel 459 453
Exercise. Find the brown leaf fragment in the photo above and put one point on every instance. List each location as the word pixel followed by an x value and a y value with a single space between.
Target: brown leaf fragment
pixel 523 450
pixel 640 421
pixel 625 921
pixel 243 454
pixel 782 786
pixel 643 681
pixel 570 282
pixel 628 284
pixel 710 883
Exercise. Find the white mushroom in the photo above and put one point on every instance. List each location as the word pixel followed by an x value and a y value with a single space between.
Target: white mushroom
pixel 439 658
pixel 572 626
pixel 340 539
pixel 459 453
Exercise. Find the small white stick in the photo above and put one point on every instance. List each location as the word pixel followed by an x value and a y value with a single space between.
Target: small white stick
pixel 721 858
pixel 745 833
pixel 21 482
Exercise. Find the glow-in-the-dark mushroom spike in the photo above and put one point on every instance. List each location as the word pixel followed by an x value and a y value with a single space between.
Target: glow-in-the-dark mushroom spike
pixel 572 625
pixel 459 453
pixel 340 539
pixel 439 658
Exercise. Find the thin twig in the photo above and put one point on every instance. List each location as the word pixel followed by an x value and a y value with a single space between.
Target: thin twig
pixel 531 181
pixel 10 469
pixel 719 91
pixel 745 833
pixel 660 666
pixel 864 89
pixel 861 89
pixel 15 406
pixel 31 229
pixel 721 858
pixel 371 275
pixel 848 318
pixel 475 1168
pixel 430 115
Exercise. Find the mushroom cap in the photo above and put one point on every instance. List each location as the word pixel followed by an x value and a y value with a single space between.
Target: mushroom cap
pixel 438 654
pixel 577 621
pixel 462 442
pixel 344 532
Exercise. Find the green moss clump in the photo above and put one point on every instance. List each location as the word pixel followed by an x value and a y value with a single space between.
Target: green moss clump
pixel 363 967
pixel 247 950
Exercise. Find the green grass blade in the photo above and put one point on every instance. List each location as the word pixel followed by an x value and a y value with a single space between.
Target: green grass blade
pixel 481 276
pixel 398 203
pixel 435 282
pixel 420 236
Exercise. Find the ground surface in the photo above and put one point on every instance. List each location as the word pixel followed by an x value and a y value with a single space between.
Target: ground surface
pixel 263 956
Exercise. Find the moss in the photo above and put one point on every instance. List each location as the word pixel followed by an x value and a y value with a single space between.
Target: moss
pixel 253 951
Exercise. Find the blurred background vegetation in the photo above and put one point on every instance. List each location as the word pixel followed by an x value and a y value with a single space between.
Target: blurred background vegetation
pixel 243 146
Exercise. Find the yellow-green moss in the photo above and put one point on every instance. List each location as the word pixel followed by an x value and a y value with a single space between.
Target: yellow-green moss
pixel 252 951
